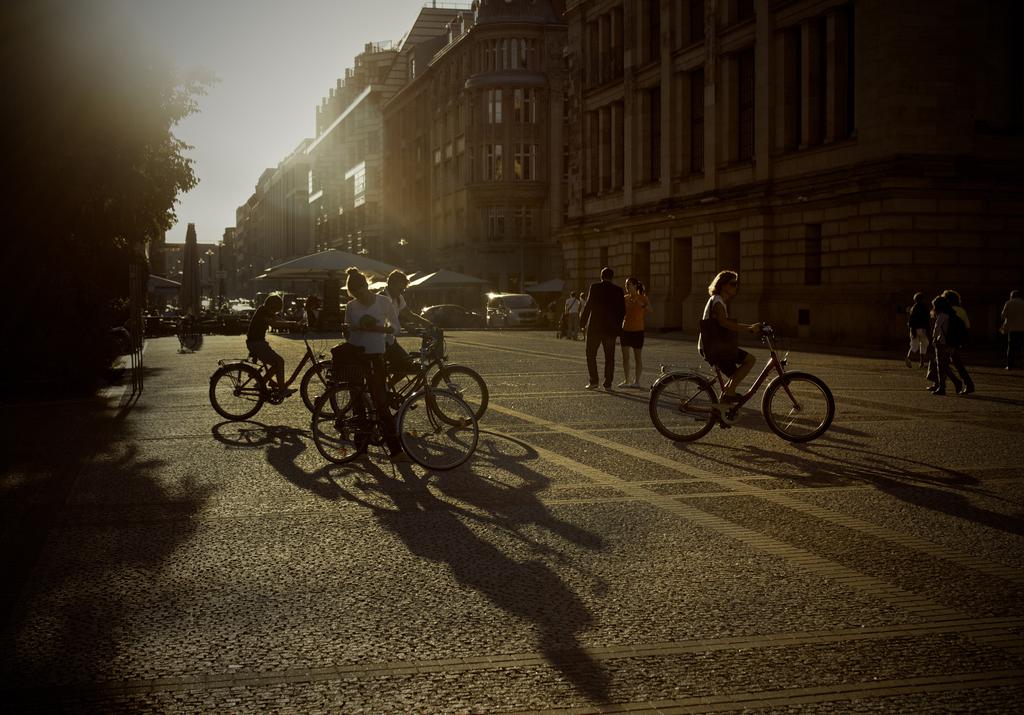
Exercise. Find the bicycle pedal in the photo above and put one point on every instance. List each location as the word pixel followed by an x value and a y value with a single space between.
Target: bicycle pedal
pixel 728 416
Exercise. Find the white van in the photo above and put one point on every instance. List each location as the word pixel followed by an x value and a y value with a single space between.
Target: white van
pixel 511 310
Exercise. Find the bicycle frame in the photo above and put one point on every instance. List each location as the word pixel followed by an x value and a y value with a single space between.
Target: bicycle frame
pixel 800 419
pixel 431 357
pixel 774 364
pixel 263 368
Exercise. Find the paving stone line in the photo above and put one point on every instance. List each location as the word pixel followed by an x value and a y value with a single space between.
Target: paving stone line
pixel 810 562
pixel 1007 573
pixel 799 696
pixel 241 678
pixel 736 486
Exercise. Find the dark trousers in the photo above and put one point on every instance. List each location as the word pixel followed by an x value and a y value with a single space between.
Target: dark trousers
pixel 1014 346
pixel 938 368
pixel 378 393
pixel 957 361
pixel 607 341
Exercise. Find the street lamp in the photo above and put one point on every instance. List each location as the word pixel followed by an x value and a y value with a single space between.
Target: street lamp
pixel 402 243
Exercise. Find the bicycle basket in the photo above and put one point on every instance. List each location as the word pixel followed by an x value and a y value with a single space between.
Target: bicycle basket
pixel 433 346
pixel 349 364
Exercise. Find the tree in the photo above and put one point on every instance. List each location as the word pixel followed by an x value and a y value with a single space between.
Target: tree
pixel 97 171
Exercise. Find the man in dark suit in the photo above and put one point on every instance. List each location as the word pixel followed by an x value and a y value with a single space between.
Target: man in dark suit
pixel 602 317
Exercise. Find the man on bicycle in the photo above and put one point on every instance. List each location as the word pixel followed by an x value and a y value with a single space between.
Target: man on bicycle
pixel 259 348
pixel 717 342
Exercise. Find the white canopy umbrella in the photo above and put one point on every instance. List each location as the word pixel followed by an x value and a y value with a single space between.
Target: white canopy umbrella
pixel 446 279
pixel 555 285
pixel 161 285
pixel 319 265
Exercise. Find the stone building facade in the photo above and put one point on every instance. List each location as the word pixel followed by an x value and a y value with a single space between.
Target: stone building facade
pixel 473 145
pixel 344 158
pixel 273 225
pixel 840 154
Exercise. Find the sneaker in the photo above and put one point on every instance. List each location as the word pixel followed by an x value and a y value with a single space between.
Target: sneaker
pixel 965 390
pixel 939 392
pixel 283 392
pixel 608 388
pixel 591 386
pixel 730 399
pixel 636 385
pixel 625 383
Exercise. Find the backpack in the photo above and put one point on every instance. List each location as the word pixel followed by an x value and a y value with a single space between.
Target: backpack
pixel 956 331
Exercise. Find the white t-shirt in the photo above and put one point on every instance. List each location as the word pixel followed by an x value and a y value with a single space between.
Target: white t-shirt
pixel 383 311
pixel 1013 313
pixel 400 305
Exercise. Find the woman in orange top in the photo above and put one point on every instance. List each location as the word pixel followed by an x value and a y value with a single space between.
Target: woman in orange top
pixel 632 336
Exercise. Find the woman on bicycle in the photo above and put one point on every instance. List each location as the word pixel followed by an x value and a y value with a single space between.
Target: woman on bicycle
pixel 371 318
pixel 722 350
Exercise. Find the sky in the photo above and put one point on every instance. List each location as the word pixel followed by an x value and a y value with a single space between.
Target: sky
pixel 275 61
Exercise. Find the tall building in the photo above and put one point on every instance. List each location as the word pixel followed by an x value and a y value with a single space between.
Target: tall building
pixel 273 225
pixel 285 202
pixel 249 243
pixel 473 144
pixel 344 159
pixel 840 154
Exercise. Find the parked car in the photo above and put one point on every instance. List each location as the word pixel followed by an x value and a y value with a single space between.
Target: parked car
pixel 452 316
pixel 511 310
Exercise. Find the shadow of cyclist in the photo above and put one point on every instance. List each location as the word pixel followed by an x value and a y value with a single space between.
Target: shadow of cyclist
pixel 529 590
pixel 461 531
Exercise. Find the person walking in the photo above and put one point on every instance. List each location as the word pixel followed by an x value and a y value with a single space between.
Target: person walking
pixel 311 312
pixel 572 312
pixel 956 342
pixel 632 337
pixel 602 319
pixel 918 323
pixel 1013 327
pixel 941 311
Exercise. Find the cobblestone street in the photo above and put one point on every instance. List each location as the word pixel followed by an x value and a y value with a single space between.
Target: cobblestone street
pixel 164 560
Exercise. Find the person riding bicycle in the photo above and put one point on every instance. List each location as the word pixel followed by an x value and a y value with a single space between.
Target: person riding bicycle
pixel 371 318
pixel 718 341
pixel 259 348
pixel 396 359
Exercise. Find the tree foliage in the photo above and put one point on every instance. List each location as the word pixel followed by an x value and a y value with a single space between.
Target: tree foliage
pixel 97 170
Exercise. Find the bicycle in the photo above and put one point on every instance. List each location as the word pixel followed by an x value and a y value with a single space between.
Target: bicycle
pixel 797 406
pixel 238 388
pixel 459 379
pixel 435 427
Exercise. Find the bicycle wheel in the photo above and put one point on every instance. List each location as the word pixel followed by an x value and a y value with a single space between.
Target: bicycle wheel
pixel 430 433
pixel 315 383
pixel 467 384
pixel 798 407
pixel 339 435
pixel 682 407
pixel 236 391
